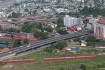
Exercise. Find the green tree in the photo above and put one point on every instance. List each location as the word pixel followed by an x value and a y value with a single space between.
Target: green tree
pixel 18 31
pixel 11 35
pixel 41 35
pixel 61 44
pixel 1 28
pixel 48 49
pixel 62 32
pixel 26 10
pixel 83 67
pixel 26 41
pixel 14 15
pixel 1 47
pixel 77 39
pixel 11 30
pixel 27 28
pixel 17 43
pixel 60 22
pixel 86 21
pixel 26 22
pixel 39 26
pixel 6 42
pixel 49 29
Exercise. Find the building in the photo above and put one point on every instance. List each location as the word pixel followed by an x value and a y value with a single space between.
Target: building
pixel 92 20
pixel 91 23
pixel 99 28
pixel 100 45
pixel 72 21
pixel 7 26
pixel 83 43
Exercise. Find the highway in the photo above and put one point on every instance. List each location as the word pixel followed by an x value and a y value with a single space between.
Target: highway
pixel 41 43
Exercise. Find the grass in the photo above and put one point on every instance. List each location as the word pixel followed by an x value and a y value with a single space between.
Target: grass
pixel 69 64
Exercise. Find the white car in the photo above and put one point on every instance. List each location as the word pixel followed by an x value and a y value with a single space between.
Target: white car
pixel 28 45
pixel 9 52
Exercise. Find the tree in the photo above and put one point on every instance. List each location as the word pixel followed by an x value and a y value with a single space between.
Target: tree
pixel 1 47
pixel 26 10
pixel 49 29
pixel 26 41
pixel 48 49
pixel 39 26
pixel 34 12
pixel 14 15
pixel 44 35
pixel 17 43
pixel 60 22
pixel 62 32
pixel 18 31
pixel 26 22
pixel 11 30
pixel 93 39
pixel 1 28
pixel 6 42
pixel 41 35
pixel 11 35
pixel 61 44
pixel 27 28
pixel 83 67
pixel 77 39
pixel 86 21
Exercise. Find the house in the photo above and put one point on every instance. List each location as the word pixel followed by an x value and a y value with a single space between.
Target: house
pixel 83 43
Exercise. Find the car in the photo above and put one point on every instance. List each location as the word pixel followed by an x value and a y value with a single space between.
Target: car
pixel 9 52
pixel 11 49
pixel 28 45
pixel 21 46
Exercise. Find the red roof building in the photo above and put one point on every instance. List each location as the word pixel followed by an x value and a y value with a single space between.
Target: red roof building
pixel 101 21
pixel 99 28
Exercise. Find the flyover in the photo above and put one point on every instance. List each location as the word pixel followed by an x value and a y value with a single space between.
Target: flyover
pixel 42 43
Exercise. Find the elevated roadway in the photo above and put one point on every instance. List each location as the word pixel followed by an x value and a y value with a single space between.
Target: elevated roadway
pixel 42 43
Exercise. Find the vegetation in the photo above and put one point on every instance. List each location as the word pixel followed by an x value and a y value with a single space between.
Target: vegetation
pixel 62 32
pixel 77 39
pixel 27 27
pixel 18 31
pixel 49 29
pixel 92 11
pixel 14 15
pixel 1 28
pixel 41 35
pixel 39 26
pixel 89 11
pixel 88 39
pixel 17 43
pixel 11 35
pixel 25 41
pixel 86 21
pixel 11 30
pixel 93 39
pixel 1 47
pixel 69 64
pixel 83 67
pixel 59 45
pixel 60 22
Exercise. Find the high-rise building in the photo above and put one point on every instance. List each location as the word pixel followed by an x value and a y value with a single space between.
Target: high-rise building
pixel 72 21
pixel 99 28
pixel 92 20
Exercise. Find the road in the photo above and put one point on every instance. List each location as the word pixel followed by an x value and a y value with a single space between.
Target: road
pixel 42 43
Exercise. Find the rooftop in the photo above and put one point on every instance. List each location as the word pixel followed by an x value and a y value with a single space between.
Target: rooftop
pixel 101 21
